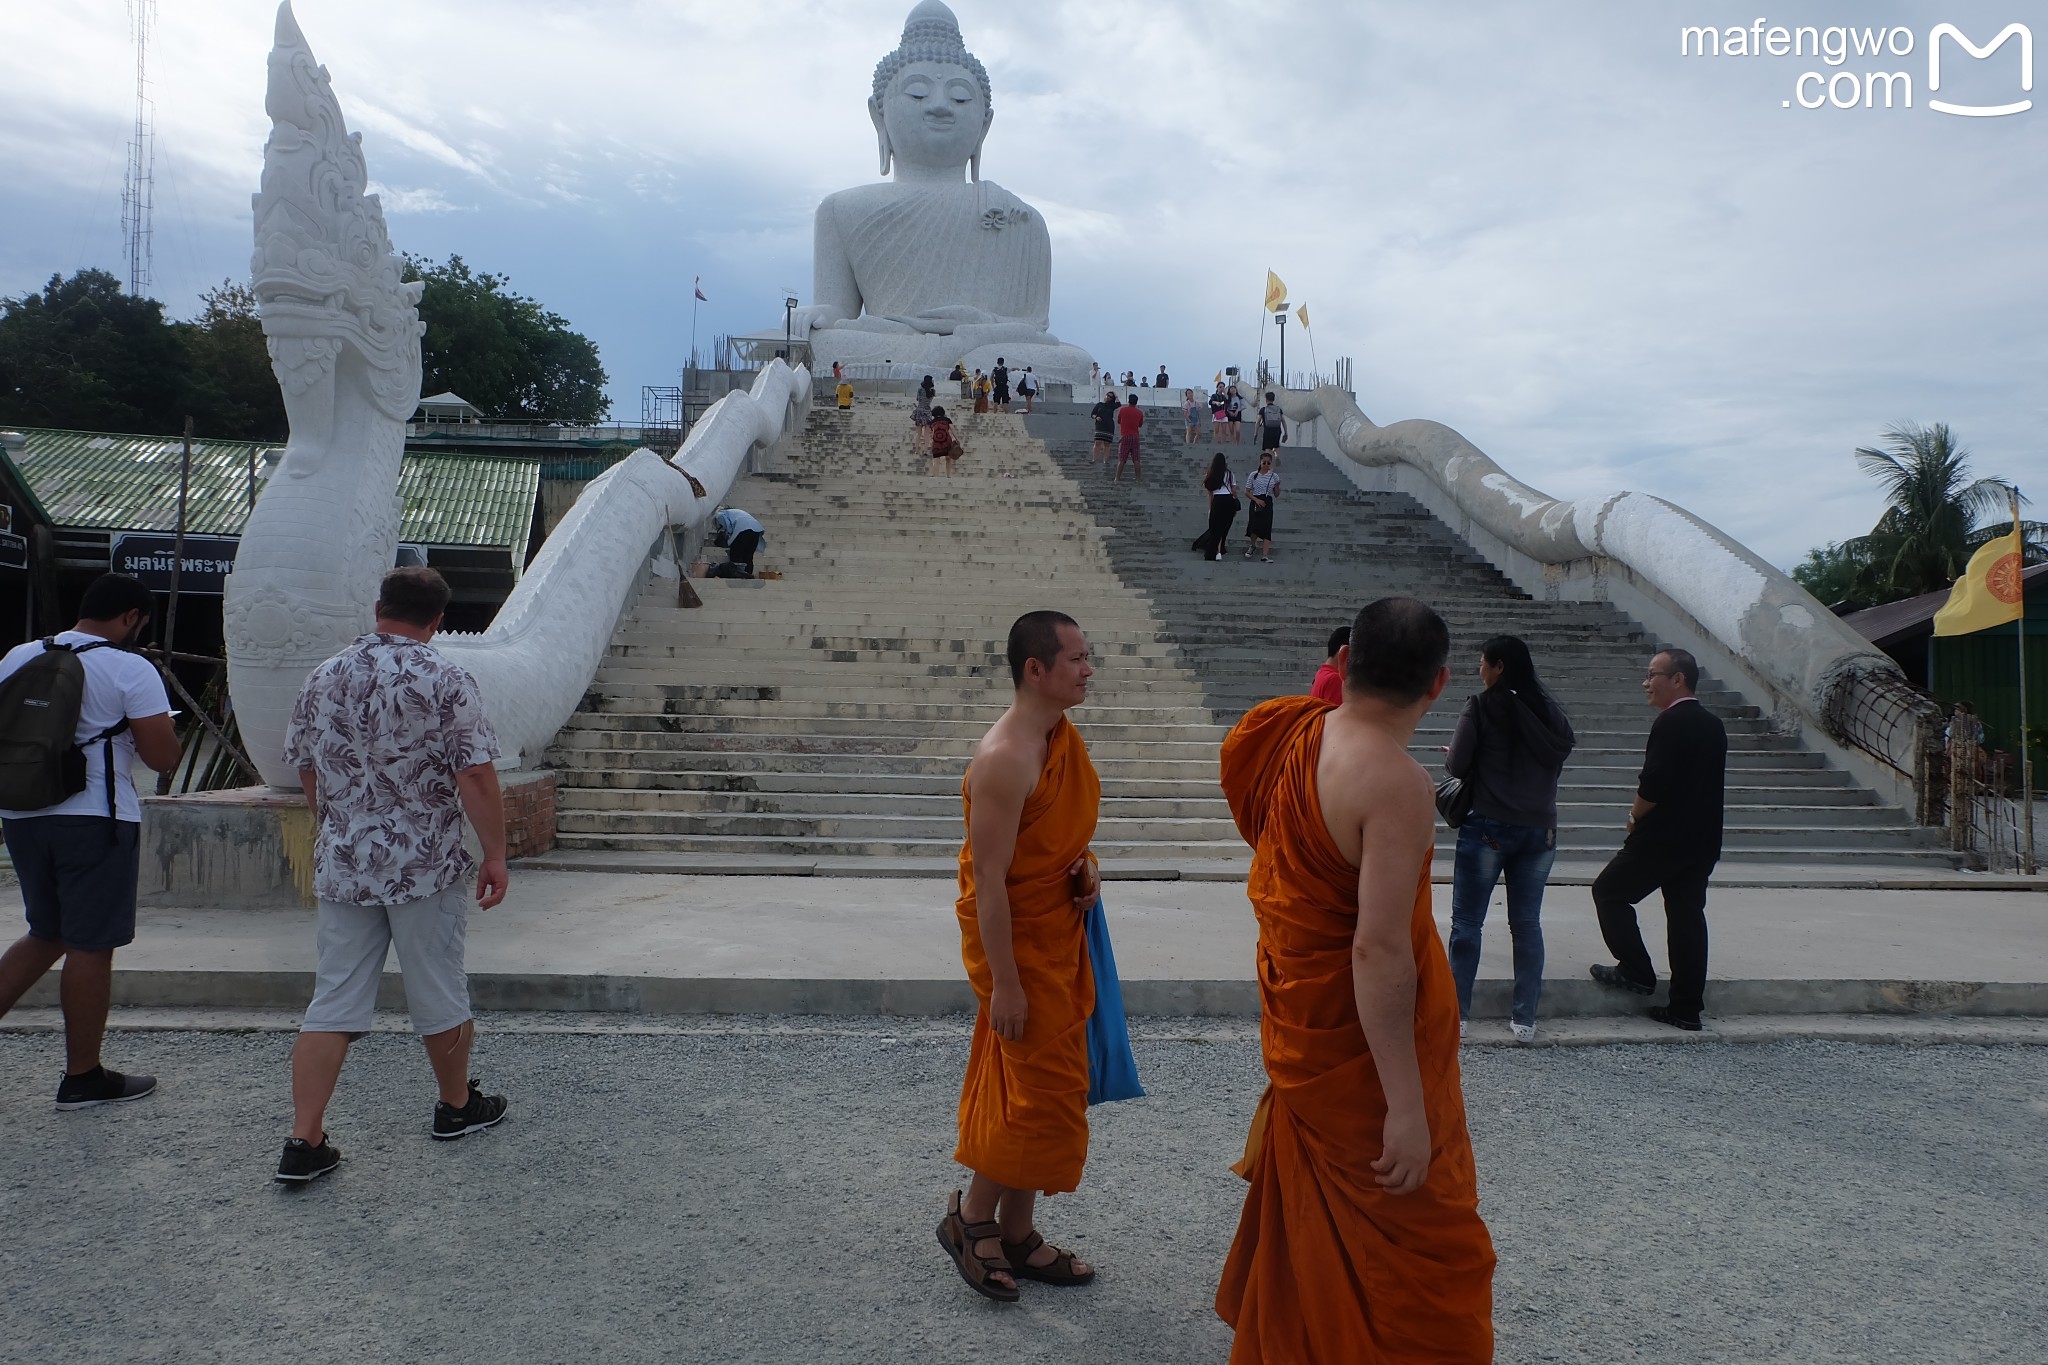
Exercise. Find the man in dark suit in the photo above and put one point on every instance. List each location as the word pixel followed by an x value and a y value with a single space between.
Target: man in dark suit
pixel 1674 840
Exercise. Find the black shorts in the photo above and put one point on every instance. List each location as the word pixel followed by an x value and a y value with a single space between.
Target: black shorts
pixel 77 878
pixel 1002 395
pixel 1236 418
pixel 1269 438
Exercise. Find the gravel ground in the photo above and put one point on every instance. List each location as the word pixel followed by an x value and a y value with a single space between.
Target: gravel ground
pixel 766 1190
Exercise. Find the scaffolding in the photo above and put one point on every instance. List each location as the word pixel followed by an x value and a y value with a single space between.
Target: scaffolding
pixel 664 417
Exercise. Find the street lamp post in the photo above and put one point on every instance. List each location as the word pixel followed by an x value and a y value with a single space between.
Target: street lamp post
pixel 788 327
pixel 1281 318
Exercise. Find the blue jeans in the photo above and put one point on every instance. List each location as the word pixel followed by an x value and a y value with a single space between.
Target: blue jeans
pixel 1486 848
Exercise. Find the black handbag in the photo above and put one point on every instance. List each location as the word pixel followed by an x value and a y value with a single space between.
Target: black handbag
pixel 1454 800
pixel 1454 794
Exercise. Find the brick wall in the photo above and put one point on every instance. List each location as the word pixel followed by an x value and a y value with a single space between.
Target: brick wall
pixel 529 814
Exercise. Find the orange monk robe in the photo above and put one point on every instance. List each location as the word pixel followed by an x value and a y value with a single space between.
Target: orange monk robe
pixel 1024 1106
pixel 1327 1266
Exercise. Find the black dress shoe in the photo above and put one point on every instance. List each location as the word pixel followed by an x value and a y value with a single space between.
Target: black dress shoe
pixel 1612 976
pixel 1663 1015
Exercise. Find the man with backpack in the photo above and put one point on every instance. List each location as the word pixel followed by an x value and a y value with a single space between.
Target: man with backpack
pixel 76 710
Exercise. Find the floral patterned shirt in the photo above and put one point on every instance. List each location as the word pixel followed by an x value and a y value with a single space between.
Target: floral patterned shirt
pixel 386 724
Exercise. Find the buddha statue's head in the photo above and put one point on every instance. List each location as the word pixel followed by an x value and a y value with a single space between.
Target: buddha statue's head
pixel 931 105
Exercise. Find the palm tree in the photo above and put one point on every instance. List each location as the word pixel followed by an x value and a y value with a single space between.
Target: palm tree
pixel 1928 532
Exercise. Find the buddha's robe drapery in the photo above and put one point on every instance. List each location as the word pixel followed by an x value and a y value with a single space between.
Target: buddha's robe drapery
pixel 1024 1105
pixel 930 255
pixel 1327 1266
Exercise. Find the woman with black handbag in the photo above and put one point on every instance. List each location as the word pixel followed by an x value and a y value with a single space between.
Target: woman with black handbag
pixel 1509 750
pixel 1220 495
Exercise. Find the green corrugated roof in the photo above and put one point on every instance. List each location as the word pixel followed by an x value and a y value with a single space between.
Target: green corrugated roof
pixel 102 481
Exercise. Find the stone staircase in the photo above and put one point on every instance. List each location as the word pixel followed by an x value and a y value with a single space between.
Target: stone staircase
pixel 826 718
pixel 1251 630
pixel 830 714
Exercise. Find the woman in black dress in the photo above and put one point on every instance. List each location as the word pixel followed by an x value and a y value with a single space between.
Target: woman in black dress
pixel 1219 492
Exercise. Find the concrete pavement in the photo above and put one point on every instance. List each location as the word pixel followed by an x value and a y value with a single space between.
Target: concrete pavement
pixel 680 944
pixel 763 1191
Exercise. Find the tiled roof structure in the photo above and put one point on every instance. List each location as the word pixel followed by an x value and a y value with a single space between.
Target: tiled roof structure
pixel 102 481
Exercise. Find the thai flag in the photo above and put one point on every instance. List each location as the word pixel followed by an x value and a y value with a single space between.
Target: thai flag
pixel 698 285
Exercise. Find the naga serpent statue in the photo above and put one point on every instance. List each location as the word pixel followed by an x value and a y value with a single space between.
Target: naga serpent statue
pixel 344 338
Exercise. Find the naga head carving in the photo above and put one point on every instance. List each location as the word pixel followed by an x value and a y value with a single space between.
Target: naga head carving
pixel 324 271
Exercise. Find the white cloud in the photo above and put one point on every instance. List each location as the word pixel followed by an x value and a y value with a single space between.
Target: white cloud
pixel 397 201
pixel 1606 265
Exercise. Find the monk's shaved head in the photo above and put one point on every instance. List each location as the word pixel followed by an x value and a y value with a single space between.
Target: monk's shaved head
pixel 1398 646
pixel 1036 635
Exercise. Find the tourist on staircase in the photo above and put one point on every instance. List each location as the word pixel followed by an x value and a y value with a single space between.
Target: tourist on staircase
pixel 999 386
pixel 945 445
pixel 1104 414
pixel 1130 420
pixel 1027 387
pixel 1219 499
pixel 1190 415
pixel 845 395
pixel 1509 748
pixel 1329 679
pixel 1272 428
pixel 965 381
pixel 980 391
pixel 1234 409
pixel 741 535
pixel 1219 414
pixel 1161 381
pixel 921 416
pixel 1262 488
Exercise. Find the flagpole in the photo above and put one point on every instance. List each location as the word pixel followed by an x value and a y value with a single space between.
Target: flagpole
pixel 695 286
pixel 2019 628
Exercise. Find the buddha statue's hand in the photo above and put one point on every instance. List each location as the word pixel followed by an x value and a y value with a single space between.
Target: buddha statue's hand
pixel 813 315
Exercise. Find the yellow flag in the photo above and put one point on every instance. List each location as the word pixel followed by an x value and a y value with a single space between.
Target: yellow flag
pixel 1302 313
pixel 1276 293
pixel 1988 594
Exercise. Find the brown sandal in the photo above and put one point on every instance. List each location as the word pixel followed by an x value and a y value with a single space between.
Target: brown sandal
pixel 958 1237
pixel 1059 1270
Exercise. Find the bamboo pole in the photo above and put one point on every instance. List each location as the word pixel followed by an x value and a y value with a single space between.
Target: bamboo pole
pixel 2026 754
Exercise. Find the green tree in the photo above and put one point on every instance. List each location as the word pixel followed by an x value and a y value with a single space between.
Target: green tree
pixel 1930 526
pixel 82 354
pixel 502 351
pixel 233 391
pixel 1837 573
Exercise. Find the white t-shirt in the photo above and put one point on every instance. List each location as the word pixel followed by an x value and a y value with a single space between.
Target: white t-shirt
pixel 118 685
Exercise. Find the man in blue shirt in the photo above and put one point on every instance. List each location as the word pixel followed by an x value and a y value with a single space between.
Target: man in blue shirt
pixel 741 535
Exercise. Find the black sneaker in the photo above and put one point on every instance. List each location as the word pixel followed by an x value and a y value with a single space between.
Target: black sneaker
pixel 101 1086
pixel 451 1122
pixel 304 1162
pixel 1612 976
pixel 1663 1015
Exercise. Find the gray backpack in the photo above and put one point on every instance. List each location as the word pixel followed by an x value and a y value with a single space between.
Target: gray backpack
pixel 42 761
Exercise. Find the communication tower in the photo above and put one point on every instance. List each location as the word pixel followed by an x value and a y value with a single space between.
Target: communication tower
pixel 138 190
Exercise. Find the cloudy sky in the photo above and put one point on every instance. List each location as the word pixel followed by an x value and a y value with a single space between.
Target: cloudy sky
pixel 1607 264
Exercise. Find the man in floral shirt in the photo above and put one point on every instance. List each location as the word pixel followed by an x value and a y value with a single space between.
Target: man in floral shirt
pixel 393 747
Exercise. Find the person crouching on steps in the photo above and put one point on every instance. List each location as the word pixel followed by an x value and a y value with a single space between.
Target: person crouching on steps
pixel 737 530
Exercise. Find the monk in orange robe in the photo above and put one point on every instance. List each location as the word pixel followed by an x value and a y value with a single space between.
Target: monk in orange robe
pixel 1361 1239
pixel 1026 881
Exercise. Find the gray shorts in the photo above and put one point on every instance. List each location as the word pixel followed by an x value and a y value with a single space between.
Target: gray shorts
pixel 354 940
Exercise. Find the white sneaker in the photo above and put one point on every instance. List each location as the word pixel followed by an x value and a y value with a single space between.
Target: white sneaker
pixel 1463 1029
pixel 1524 1033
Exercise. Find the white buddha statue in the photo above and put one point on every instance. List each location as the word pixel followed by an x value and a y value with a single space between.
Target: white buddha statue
pixel 935 266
